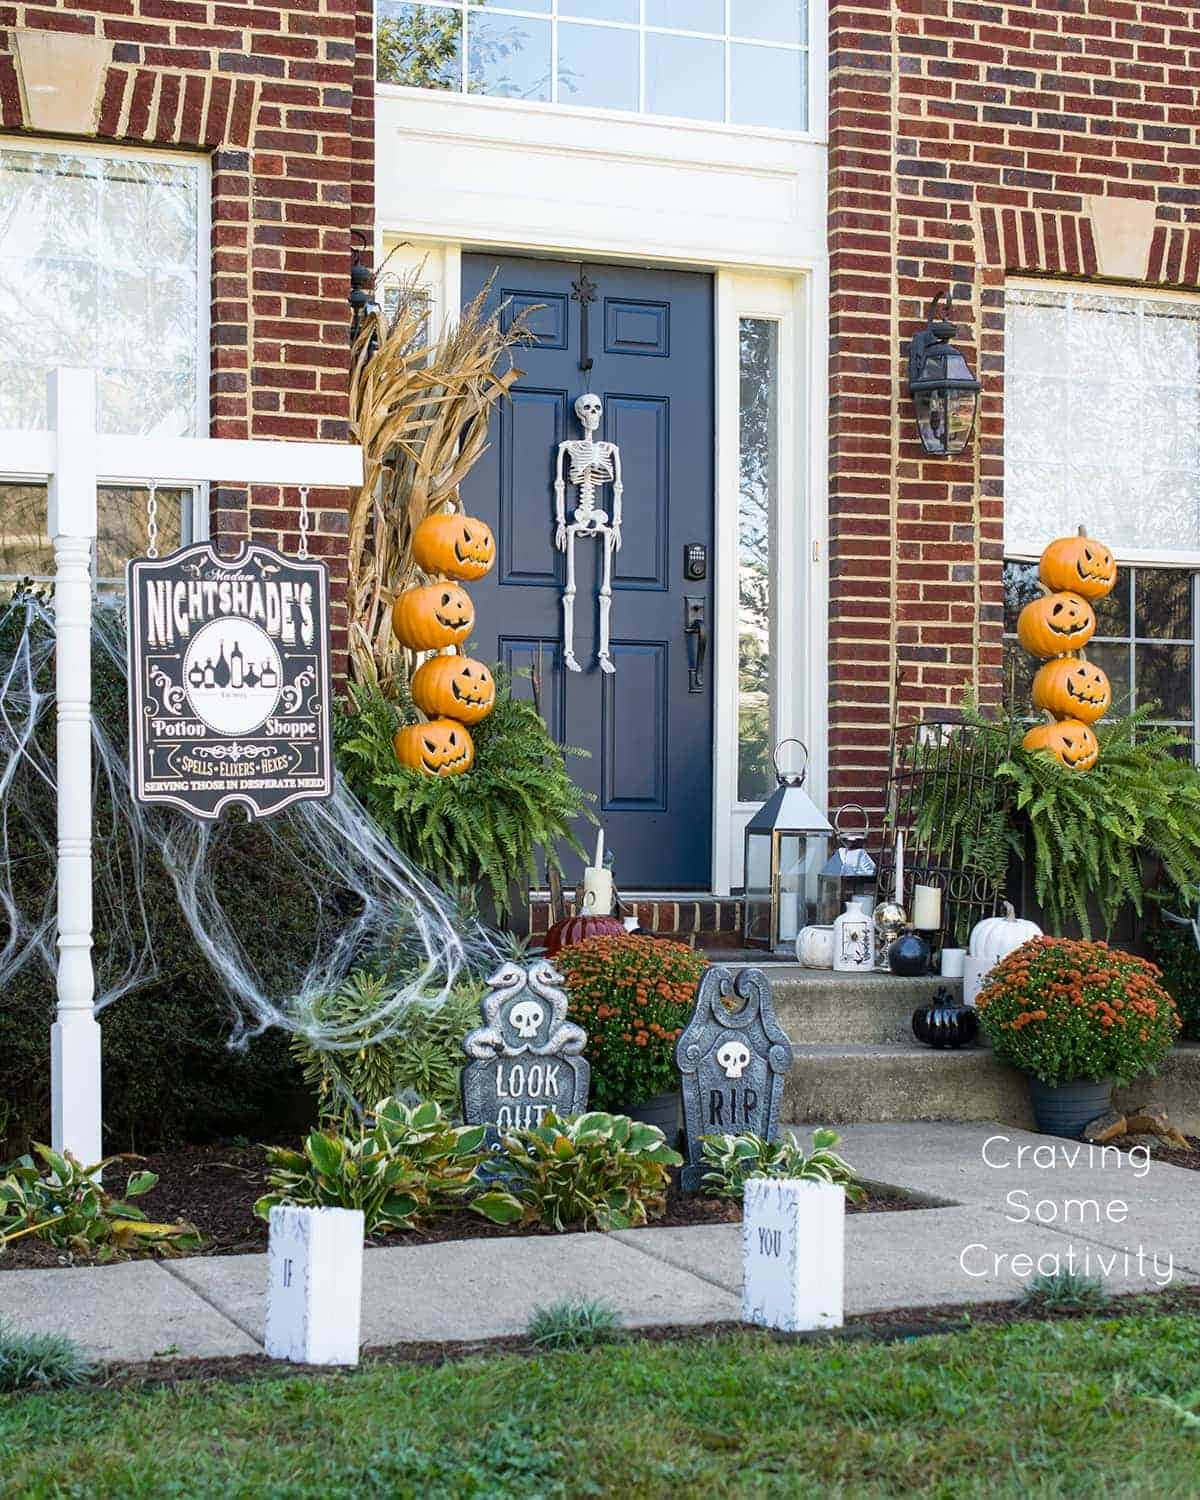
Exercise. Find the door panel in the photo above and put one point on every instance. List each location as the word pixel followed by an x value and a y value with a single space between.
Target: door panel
pixel 648 736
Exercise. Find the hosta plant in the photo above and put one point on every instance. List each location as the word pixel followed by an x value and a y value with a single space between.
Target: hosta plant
pixel 401 1166
pixel 1068 1011
pixel 731 1160
pixel 66 1205
pixel 595 1171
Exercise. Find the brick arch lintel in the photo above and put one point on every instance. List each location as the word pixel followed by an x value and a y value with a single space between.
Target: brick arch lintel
pixel 1069 244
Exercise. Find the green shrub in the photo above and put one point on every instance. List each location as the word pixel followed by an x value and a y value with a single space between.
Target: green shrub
pixel 1065 1290
pixel 633 996
pixel 401 1166
pixel 1065 1011
pixel 1174 950
pixel 595 1171
pixel 67 1207
pixel 40 1360
pixel 731 1160
pixel 1088 833
pixel 422 1056
pixel 482 830
pixel 574 1323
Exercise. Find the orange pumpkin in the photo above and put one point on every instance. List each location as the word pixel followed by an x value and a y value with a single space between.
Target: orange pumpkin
pixel 1056 624
pixel 1071 743
pixel 455 686
pixel 439 748
pixel 1072 689
pixel 456 546
pixel 1080 565
pixel 428 618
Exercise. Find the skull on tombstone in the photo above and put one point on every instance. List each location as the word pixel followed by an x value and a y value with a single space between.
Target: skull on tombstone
pixel 526 1017
pixel 733 1057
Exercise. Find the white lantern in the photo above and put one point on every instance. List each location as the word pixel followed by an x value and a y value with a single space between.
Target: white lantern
pixel 787 844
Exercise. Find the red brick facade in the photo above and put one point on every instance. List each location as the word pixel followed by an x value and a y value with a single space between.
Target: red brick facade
pixel 280 96
pixel 970 140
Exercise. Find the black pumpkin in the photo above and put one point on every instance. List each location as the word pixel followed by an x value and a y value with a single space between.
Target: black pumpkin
pixel 909 955
pixel 944 1022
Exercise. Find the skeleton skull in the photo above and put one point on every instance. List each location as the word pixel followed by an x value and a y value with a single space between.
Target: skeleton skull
pixel 526 1017
pixel 733 1058
pixel 588 409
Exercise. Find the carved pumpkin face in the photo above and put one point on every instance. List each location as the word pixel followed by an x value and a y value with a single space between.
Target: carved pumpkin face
pixel 1079 564
pixel 456 546
pixel 426 619
pixel 439 748
pixel 455 686
pixel 1071 743
pixel 1056 624
pixel 1072 689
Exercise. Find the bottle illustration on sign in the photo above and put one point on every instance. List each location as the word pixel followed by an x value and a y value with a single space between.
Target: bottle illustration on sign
pixel 233 674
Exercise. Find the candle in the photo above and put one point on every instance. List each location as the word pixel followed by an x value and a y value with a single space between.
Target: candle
pixel 899 896
pixel 599 860
pixel 927 907
pixel 953 962
pixel 597 891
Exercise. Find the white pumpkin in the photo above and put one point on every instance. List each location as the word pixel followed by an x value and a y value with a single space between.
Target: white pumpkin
pixel 996 937
pixel 814 947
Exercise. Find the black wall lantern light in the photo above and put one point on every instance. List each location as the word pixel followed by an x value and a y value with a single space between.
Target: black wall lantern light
pixel 944 391
pixel 362 286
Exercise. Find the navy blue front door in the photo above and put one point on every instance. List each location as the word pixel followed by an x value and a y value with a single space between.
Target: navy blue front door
pixel 647 726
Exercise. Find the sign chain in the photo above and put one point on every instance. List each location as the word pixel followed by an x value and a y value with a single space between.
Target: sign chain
pixel 152 520
pixel 303 553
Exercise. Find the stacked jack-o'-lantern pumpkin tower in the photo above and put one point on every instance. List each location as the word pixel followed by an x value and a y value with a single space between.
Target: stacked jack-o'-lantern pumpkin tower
pixel 1075 571
pixel 453 690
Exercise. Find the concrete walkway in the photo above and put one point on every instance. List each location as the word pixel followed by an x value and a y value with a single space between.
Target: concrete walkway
pixel 486 1288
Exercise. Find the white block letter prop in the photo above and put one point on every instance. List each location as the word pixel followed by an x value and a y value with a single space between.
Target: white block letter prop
pixel 314 1300
pixel 793 1254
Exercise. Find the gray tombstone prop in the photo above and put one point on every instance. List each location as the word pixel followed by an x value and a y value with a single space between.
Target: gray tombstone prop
pixel 525 1059
pixel 732 1062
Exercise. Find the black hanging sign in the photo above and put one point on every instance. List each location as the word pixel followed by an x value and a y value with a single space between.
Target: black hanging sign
pixel 229 680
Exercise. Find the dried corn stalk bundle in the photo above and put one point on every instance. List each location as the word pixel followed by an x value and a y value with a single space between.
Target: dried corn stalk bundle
pixel 420 409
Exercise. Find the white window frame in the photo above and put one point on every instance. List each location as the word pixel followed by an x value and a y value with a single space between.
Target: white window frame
pixel 1025 549
pixel 816 48
pixel 199 510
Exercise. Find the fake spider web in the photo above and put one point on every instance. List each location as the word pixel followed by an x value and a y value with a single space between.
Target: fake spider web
pixel 363 902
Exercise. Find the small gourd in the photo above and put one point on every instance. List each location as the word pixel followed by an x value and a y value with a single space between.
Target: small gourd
pixel 443 747
pixel 996 937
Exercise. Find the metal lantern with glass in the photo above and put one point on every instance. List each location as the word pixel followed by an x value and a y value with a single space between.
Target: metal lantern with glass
pixel 787 846
pixel 849 872
pixel 944 391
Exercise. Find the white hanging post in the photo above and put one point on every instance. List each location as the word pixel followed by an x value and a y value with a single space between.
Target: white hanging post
pixel 73 457
pixel 75 1035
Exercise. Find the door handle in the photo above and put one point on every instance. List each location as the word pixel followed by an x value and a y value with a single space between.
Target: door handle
pixel 695 628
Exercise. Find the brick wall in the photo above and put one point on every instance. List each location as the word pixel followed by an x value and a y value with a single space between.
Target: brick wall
pixel 969 141
pixel 280 97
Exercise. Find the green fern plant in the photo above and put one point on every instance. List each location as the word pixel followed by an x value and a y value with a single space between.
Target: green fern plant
pixel 1088 833
pixel 422 1056
pixel 484 829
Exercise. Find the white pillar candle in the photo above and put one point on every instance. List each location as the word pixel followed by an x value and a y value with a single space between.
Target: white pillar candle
pixel 927 907
pixel 953 962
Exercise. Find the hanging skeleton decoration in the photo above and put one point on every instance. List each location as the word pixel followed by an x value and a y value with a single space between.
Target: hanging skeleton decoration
pixel 588 464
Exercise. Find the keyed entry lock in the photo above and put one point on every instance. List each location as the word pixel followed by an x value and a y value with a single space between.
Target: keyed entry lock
pixel 695 631
pixel 695 562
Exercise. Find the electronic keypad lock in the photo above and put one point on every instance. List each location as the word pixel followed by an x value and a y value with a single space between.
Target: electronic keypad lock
pixel 695 562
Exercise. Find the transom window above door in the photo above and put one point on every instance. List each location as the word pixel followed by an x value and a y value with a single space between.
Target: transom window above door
pixel 739 62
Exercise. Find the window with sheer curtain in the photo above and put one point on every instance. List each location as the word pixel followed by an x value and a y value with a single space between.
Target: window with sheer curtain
pixel 742 62
pixel 102 265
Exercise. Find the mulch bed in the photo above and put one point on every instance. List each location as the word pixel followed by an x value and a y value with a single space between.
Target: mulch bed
pixel 215 1188
pixel 1176 1156
pixel 897 1326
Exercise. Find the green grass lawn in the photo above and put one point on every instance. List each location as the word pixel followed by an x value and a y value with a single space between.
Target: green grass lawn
pixel 1095 1408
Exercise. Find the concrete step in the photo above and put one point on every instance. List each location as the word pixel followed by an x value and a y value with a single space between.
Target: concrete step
pixel 817 1005
pixel 843 1083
